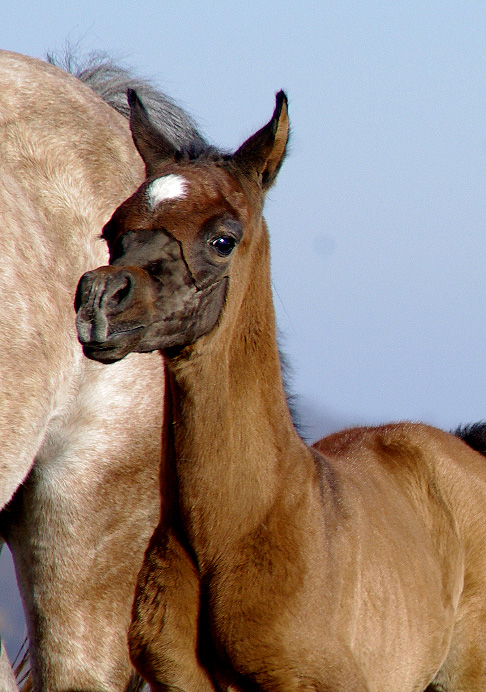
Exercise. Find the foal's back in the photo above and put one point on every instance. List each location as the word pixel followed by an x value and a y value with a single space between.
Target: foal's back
pixel 415 498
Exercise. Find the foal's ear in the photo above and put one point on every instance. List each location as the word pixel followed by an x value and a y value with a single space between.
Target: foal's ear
pixel 152 145
pixel 262 154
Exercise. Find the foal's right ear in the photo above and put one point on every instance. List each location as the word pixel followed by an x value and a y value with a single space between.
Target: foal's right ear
pixel 152 145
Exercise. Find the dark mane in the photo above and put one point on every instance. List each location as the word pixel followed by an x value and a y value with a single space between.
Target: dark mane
pixel 474 435
pixel 194 151
pixel 111 81
pixel 291 396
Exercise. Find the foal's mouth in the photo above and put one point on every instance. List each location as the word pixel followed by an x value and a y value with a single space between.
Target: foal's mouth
pixel 105 353
pixel 117 346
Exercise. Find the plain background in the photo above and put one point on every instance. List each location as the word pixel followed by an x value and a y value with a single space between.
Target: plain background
pixel 378 217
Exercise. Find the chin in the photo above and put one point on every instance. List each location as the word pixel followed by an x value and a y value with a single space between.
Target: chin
pixel 104 355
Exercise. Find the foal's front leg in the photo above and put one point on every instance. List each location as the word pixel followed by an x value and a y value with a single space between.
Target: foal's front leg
pixel 163 636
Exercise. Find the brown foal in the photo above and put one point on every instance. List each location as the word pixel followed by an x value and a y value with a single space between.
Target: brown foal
pixel 355 565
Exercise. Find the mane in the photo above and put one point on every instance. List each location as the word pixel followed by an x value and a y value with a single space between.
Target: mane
pixel 111 81
pixel 290 395
pixel 474 435
pixel 207 152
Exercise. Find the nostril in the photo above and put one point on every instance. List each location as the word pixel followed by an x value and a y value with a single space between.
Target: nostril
pixel 77 299
pixel 120 292
pixel 83 290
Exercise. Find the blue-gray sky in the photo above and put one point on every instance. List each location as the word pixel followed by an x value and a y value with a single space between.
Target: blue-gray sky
pixel 378 218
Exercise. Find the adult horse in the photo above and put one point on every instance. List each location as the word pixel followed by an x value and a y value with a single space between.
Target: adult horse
pixel 79 442
pixel 358 564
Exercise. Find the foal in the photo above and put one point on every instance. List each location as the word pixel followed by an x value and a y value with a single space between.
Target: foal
pixel 355 565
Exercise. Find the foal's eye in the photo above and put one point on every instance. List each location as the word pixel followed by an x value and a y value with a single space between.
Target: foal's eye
pixel 224 245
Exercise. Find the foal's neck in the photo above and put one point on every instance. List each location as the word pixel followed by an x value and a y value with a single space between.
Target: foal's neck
pixel 234 439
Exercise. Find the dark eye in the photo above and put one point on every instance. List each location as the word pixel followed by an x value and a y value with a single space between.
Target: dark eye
pixel 224 245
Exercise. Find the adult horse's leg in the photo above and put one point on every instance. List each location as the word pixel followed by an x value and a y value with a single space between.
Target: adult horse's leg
pixel 7 678
pixel 79 526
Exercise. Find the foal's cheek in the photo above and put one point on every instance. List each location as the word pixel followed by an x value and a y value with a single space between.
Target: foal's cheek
pixel 182 317
pixel 211 306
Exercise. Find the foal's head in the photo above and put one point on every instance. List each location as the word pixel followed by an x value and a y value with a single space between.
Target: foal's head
pixel 176 244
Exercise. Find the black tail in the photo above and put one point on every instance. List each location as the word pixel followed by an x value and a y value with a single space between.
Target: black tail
pixel 474 435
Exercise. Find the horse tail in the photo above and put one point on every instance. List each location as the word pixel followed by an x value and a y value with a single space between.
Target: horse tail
pixel 111 81
pixel 474 435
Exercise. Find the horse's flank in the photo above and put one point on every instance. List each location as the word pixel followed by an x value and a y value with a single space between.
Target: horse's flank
pixel 83 440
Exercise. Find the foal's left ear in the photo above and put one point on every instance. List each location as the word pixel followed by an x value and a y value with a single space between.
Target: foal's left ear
pixel 152 145
pixel 262 154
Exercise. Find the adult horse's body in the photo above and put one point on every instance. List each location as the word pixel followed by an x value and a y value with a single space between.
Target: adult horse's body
pixel 83 439
pixel 356 565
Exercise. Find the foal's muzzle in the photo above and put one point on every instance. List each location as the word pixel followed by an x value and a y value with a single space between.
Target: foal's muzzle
pixel 110 313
